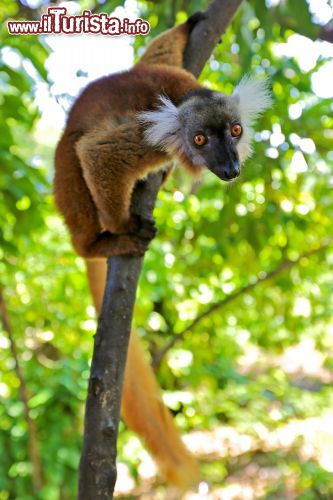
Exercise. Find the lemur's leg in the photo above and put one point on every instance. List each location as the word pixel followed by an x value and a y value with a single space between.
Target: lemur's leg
pixel 112 161
pixel 75 202
pixel 168 48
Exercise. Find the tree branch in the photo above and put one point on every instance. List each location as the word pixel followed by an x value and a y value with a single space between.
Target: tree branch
pixel 98 459
pixel 326 33
pixel 283 266
pixel 208 33
pixel 33 450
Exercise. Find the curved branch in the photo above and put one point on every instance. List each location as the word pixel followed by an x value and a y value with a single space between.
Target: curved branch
pixel 33 450
pixel 98 459
pixel 283 266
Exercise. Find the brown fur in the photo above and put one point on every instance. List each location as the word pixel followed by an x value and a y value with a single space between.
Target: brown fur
pixel 102 153
pixel 167 48
pixel 142 406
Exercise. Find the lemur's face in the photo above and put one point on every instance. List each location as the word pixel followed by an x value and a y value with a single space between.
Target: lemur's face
pixel 212 130
pixel 209 129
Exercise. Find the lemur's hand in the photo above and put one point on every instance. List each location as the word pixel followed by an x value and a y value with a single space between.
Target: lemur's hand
pixel 194 19
pixel 142 227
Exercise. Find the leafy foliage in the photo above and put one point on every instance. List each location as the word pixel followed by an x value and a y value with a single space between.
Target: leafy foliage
pixel 230 370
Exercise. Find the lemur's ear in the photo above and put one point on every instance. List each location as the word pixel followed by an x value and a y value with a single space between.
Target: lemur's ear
pixel 162 126
pixel 254 96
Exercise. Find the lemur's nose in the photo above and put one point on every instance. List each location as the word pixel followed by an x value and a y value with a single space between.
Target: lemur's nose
pixel 232 171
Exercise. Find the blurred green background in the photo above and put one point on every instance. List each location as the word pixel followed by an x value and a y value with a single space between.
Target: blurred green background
pixel 250 383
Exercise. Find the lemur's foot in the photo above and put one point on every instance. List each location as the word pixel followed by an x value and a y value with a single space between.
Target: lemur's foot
pixel 107 244
pixel 134 245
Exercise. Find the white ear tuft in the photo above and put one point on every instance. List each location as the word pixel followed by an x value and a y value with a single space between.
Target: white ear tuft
pixel 162 125
pixel 254 97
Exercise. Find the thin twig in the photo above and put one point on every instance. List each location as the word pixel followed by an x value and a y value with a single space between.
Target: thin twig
pixel 283 266
pixel 33 449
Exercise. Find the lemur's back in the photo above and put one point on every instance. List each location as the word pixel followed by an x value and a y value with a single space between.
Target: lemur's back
pixel 124 94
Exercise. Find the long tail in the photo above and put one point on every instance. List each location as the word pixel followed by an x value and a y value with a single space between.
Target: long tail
pixel 142 406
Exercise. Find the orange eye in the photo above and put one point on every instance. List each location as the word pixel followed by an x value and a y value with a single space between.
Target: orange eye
pixel 236 130
pixel 200 139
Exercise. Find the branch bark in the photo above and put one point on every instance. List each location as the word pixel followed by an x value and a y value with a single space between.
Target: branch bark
pixel 33 450
pixel 208 33
pixel 283 266
pixel 97 475
pixel 326 33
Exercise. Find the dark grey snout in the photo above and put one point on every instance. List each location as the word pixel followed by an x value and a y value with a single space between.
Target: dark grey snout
pixel 222 159
pixel 227 171
pixel 231 171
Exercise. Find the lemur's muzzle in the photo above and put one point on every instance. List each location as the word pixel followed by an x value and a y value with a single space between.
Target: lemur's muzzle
pixel 231 171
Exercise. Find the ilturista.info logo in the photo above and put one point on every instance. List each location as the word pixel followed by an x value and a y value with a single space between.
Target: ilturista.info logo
pixel 56 21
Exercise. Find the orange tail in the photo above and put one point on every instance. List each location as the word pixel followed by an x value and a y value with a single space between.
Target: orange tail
pixel 142 407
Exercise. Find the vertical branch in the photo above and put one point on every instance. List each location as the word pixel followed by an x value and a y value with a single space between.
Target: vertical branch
pixel 33 450
pixel 206 35
pixel 97 475
pixel 98 460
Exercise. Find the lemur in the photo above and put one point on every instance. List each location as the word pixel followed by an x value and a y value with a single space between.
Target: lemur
pixel 120 128
pixel 125 125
